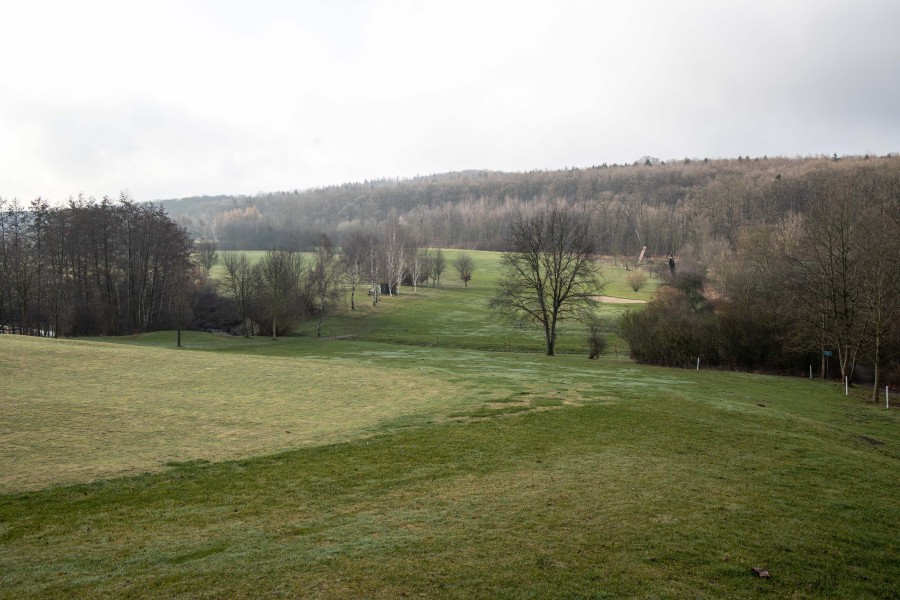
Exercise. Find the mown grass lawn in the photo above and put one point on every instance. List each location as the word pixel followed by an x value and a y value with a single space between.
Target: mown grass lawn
pixel 464 474
pixel 74 411
pixel 456 315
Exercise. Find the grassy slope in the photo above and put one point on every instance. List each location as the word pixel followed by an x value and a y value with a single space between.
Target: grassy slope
pixel 87 410
pixel 458 316
pixel 527 476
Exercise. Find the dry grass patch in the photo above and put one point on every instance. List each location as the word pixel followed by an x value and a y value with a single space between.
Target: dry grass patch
pixel 79 411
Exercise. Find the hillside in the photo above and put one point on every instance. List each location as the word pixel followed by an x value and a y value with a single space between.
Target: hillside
pixel 665 206
pixel 478 475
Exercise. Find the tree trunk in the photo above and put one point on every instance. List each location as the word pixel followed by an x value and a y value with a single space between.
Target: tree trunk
pixel 876 360
pixel 549 338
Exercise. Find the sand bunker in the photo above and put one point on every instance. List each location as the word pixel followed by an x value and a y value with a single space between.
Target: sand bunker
pixel 614 300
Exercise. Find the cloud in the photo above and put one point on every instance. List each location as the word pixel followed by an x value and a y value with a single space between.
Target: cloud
pixel 177 98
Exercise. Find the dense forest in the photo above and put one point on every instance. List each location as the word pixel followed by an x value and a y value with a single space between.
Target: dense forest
pixel 665 206
pixel 91 268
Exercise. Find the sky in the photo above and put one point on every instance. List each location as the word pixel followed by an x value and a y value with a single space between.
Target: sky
pixel 200 97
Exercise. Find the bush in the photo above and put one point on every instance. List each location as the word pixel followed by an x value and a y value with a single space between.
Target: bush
pixel 637 280
pixel 670 331
pixel 679 325
pixel 595 340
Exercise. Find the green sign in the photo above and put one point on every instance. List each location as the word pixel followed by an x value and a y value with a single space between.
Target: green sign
pixel 826 352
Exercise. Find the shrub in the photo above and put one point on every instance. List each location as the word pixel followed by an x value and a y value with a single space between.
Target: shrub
pixel 596 341
pixel 679 325
pixel 637 280
pixel 670 331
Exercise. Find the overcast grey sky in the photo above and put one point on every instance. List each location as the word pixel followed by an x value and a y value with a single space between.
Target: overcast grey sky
pixel 168 99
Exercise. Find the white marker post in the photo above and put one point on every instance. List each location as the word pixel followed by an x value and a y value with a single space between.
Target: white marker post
pixel 810 371
pixel 887 396
pixel 846 385
pixel 698 363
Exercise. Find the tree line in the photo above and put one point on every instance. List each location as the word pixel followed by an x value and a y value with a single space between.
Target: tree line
pixel 120 267
pixel 286 286
pixel 90 267
pixel 818 290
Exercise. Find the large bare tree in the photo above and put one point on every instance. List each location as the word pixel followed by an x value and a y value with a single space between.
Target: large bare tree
pixel 436 267
pixel 184 287
pixel 396 245
pixel 241 285
pixel 552 273
pixel 324 280
pixel 827 276
pixel 279 274
pixel 353 255
pixel 418 262
pixel 880 296
pixel 207 253
pixel 465 266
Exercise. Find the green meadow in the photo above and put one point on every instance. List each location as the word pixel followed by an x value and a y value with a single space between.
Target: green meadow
pixel 426 450
pixel 453 315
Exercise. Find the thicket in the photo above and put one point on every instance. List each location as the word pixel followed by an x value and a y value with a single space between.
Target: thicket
pixel 820 288
pixel 680 326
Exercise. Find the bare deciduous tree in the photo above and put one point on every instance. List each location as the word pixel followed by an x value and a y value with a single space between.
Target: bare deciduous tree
pixel 394 253
pixel 278 279
pixel 418 260
pixel 241 285
pixel 353 256
pixel 207 252
pixel 552 274
pixel 437 267
pixel 184 287
pixel 637 280
pixel 880 294
pixel 464 267
pixel 374 266
pixel 827 273
pixel 324 280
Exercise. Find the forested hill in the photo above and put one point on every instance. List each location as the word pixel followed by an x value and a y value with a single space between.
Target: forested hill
pixel 666 206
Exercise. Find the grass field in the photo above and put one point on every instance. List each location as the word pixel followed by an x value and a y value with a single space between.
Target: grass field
pixel 454 315
pixel 100 410
pixel 352 468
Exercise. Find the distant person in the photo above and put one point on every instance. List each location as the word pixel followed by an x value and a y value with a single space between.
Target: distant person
pixel 672 265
